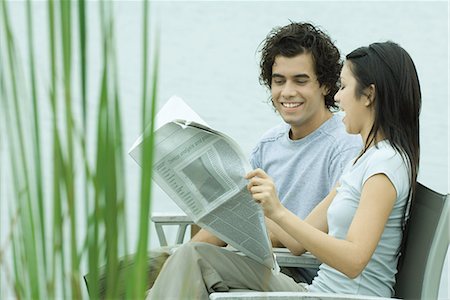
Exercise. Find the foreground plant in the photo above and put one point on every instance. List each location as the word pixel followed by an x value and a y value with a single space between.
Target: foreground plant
pixel 66 214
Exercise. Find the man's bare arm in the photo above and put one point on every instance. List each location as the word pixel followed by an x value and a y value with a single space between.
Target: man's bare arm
pixel 207 237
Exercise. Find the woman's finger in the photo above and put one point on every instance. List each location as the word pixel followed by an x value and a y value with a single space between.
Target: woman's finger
pixel 257 189
pixel 256 173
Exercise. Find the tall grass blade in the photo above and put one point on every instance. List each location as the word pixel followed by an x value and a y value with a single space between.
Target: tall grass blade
pixel 115 212
pixel 148 114
pixel 83 59
pixel 23 170
pixel 83 35
pixel 5 110
pixel 57 257
pixel 99 206
pixel 66 37
pixel 38 175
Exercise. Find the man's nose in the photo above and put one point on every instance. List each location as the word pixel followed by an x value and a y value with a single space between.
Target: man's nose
pixel 288 90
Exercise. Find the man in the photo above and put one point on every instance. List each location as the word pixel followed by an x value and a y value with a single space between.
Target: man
pixel 306 154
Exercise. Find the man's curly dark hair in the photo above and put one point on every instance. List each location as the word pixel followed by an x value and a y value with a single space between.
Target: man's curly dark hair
pixel 298 38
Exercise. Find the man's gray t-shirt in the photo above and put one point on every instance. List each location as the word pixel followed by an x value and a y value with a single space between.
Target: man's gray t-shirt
pixel 305 170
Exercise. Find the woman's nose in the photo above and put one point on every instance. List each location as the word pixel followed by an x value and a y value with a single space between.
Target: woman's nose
pixel 337 100
pixel 336 97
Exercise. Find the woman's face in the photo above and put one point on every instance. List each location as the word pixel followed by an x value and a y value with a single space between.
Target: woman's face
pixel 358 110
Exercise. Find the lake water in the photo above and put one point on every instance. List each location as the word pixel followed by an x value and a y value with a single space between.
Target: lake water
pixel 208 56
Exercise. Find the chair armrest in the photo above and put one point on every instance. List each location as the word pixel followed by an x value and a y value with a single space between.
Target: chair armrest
pixel 286 259
pixel 170 219
pixel 251 295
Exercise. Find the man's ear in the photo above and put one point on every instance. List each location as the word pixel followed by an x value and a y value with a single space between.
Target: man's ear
pixel 370 94
pixel 325 90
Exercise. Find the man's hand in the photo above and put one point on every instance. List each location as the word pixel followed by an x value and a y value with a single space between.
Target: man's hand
pixel 207 237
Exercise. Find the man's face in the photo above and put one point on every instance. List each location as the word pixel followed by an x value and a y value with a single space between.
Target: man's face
pixel 297 95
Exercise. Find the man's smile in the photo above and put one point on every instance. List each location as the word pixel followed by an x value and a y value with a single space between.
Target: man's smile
pixel 291 104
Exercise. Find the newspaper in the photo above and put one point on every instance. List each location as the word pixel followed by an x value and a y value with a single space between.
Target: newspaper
pixel 203 171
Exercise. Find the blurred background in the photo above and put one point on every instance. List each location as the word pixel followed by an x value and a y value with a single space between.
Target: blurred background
pixel 208 55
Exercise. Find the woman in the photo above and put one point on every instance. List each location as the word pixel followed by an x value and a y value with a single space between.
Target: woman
pixel 356 231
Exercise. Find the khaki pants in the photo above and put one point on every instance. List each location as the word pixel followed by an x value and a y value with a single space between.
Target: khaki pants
pixel 197 269
pixel 156 259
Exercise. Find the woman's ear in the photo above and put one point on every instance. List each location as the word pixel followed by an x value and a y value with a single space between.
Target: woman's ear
pixel 370 94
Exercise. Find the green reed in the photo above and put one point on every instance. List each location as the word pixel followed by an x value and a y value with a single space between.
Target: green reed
pixel 49 201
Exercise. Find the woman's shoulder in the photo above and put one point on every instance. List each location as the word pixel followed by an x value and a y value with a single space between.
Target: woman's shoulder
pixel 385 152
pixel 388 160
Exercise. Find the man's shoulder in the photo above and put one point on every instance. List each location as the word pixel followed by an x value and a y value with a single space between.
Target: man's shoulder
pixel 336 133
pixel 269 141
pixel 274 133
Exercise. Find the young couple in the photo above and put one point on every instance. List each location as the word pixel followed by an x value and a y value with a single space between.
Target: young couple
pixel 337 187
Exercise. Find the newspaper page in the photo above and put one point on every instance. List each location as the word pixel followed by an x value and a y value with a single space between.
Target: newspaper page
pixel 174 108
pixel 203 171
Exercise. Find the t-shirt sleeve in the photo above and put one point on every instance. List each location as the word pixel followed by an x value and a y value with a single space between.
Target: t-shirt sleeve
pixel 390 164
pixel 255 157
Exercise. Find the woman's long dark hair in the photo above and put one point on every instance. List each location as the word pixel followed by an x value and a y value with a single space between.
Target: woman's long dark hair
pixel 397 103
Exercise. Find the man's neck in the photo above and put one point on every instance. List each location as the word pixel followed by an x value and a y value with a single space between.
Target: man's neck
pixel 300 132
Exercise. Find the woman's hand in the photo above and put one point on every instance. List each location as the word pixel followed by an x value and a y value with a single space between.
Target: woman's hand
pixel 263 190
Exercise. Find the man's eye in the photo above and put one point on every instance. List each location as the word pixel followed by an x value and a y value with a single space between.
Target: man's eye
pixel 278 81
pixel 301 82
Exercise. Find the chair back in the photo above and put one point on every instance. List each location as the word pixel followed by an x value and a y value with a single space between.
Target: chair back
pixel 426 246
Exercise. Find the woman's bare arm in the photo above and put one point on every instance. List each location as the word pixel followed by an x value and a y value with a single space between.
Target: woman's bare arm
pixel 349 256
